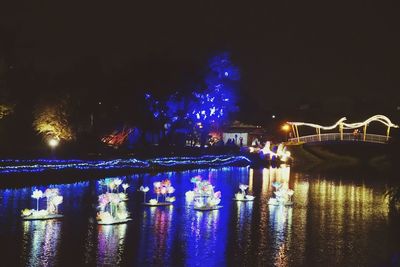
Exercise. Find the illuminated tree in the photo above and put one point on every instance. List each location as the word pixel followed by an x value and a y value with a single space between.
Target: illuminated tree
pixel 51 119
pixel 202 110
pixel 213 105
pixel 6 109
pixel 393 195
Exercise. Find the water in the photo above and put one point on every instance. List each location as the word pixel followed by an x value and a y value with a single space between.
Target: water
pixel 334 222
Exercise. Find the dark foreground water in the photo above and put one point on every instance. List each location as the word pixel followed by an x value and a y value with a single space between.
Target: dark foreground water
pixel 334 222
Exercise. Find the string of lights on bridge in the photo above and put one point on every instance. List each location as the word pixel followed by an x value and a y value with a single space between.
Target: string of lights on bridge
pixel 342 125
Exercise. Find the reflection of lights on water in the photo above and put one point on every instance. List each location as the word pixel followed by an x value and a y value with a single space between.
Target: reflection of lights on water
pixel 265 182
pixel 281 221
pixel 251 172
pixel 205 222
pixel 244 211
pixel 111 242
pixel 156 233
pixel 41 239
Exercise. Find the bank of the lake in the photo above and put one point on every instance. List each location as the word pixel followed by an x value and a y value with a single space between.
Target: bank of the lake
pixel 18 173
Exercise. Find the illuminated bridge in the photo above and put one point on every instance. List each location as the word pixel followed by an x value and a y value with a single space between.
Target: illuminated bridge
pixel 358 134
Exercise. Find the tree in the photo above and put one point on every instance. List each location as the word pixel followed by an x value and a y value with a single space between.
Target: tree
pixel 6 106
pixel 167 116
pixel 51 119
pixel 203 109
pixel 211 107
pixel 393 195
pixel 6 109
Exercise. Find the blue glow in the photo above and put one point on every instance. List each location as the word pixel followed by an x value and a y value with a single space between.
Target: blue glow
pixel 217 100
pixel 41 165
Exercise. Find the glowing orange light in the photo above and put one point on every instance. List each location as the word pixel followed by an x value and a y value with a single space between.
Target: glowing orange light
pixel 285 127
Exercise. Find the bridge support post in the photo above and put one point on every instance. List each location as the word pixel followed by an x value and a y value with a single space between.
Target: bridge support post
pixel 319 134
pixel 297 133
pixel 387 133
pixel 294 132
pixel 341 130
pixel 365 132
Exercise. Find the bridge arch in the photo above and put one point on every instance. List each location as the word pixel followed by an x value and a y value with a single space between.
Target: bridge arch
pixel 341 125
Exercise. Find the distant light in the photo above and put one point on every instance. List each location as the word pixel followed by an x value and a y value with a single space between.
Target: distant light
pixel 285 127
pixel 273 116
pixel 53 142
pixel 99 102
pixel 226 74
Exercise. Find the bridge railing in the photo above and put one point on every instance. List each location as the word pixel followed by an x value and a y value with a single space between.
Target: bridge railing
pixel 371 138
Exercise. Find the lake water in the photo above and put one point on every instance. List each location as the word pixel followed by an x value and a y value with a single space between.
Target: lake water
pixel 334 222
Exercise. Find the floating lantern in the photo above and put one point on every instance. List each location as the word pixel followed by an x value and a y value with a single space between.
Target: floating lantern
pixel 242 196
pixel 144 190
pixel 125 186
pixel 163 188
pixel 203 196
pixel 282 196
pixel 51 212
pixel 112 209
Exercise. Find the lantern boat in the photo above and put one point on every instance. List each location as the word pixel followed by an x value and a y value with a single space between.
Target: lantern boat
pixel 163 191
pixel 112 209
pixel 112 186
pixel 242 196
pixel 51 212
pixel 282 197
pixel 203 196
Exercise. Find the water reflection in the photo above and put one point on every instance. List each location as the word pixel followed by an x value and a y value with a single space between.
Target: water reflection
pixel 251 175
pixel 111 244
pixel 156 236
pixel 203 245
pixel 339 212
pixel 333 222
pixel 40 242
pixel 281 226
pixel 242 236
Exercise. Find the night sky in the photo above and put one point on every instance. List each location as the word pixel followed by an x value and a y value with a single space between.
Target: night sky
pixel 293 55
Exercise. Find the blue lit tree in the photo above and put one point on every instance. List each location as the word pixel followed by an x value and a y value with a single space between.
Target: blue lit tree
pixel 154 117
pixel 213 105
pixel 166 115
pixel 204 110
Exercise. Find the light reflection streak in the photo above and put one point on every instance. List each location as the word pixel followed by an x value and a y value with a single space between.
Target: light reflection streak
pixel 161 219
pixel 156 235
pixel 281 223
pixel 202 246
pixel 251 174
pixel 111 244
pixel 243 228
pixel 41 241
pixel 338 210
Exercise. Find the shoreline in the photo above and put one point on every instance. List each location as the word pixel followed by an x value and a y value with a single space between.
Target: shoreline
pixel 23 173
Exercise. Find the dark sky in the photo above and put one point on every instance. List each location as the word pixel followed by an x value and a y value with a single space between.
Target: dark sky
pixel 295 52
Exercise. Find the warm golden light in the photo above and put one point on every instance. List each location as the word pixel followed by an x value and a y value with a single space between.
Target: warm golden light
pixel 380 118
pixel 53 142
pixel 285 127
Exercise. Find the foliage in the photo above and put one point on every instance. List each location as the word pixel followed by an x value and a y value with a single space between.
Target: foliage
pixel 393 195
pixel 204 108
pixel 213 104
pixel 51 119
pixel 6 109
